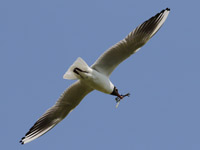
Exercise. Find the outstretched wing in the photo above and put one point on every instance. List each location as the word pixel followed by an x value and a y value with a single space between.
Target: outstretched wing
pixel 111 58
pixel 66 103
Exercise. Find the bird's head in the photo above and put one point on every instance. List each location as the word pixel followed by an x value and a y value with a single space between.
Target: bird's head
pixel 119 97
pixel 116 93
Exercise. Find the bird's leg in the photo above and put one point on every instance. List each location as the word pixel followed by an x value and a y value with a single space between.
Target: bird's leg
pixel 122 96
pixel 77 70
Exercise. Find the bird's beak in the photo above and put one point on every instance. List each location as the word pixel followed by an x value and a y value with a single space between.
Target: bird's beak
pixel 119 95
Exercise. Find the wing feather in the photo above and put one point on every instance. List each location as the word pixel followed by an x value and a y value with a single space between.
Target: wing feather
pixel 66 103
pixel 111 58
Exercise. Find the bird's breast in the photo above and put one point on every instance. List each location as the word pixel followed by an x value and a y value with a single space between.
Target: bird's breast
pixel 99 82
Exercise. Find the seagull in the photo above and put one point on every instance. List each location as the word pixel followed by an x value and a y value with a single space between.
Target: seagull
pixel 95 77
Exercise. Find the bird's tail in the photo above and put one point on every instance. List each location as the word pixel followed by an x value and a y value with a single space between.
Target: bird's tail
pixel 80 64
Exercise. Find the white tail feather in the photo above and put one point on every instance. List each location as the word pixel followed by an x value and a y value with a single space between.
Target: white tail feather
pixel 79 63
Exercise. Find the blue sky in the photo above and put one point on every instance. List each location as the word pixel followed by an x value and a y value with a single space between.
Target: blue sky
pixel 41 39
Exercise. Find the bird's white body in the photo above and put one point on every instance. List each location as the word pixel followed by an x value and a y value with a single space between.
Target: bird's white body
pixel 89 76
pixel 98 81
pixel 95 77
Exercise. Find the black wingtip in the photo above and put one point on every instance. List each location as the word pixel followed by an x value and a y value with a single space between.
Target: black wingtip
pixel 167 9
pixel 22 141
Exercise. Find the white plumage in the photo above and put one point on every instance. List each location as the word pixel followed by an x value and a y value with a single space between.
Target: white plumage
pixel 95 77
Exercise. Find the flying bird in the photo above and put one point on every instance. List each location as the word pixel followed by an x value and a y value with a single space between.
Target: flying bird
pixel 95 77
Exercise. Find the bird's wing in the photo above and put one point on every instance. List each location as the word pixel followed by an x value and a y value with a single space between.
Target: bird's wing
pixel 111 58
pixel 66 103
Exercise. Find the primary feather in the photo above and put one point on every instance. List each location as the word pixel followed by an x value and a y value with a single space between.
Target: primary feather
pixel 66 103
pixel 111 58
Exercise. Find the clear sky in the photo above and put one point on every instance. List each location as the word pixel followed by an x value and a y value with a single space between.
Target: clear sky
pixel 40 39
